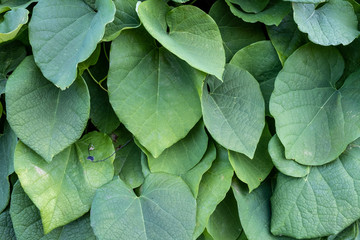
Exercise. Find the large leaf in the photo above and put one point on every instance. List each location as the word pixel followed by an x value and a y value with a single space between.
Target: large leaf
pixel 315 121
pixel 187 32
pixel 12 21
pixel 328 198
pixel 64 188
pixel 333 23
pixel 45 118
pixel 234 110
pixel 214 185
pixel 251 6
pixel 6 226
pixel 253 171
pixel 154 93
pixel 65 33
pixel 27 221
pixel 125 18
pixel 165 209
pixel 273 13
pixel 7 148
pixel 235 33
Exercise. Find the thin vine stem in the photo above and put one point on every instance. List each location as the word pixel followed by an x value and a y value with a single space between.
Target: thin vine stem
pixel 106 55
pixel 99 83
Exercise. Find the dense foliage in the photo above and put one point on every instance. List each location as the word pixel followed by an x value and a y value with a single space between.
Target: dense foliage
pixel 227 119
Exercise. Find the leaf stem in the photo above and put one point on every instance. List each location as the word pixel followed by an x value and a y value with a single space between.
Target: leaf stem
pixel 106 55
pixel 99 83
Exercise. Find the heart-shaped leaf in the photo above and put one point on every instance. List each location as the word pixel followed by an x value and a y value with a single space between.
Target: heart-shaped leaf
pixel 12 21
pixel 64 188
pixel 234 110
pixel 165 209
pixel 65 33
pixel 178 31
pixel 45 118
pixel 154 93
pixel 315 121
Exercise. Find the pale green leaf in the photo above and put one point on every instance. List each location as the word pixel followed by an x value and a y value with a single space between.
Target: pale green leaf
pixel 12 21
pixel 154 93
pixel 187 32
pixel 333 23
pixel 64 33
pixel 6 5
pixel 349 233
pixel 165 209
pixel 323 203
pixel 315 121
pixel 6 226
pixel 285 166
pixel 27 221
pixel 45 118
pixel 253 171
pixel 64 188
pixel 234 110
pixel 251 6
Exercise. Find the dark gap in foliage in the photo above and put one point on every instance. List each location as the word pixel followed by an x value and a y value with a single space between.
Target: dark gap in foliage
pixel 157 44
pixel 208 88
pixel 137 191
pixel 205 5
pixel 263 27
pixel 271 124
pixel 320 5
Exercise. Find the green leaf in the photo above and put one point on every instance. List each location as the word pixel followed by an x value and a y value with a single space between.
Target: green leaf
pixel 324 202
pixel 333 23
pixel 6 226
pixel 214 185
pixel 64 188
pixel 285 166
pixel 65 33
pixel 45 118
pixel 187 32
pixel 251 6
pixel 92 60
pixel 349 233
pixel 235 33
pixel 154 93
pixel 315 121
pixel 7 148
pixel 261 61
pixel 12 21
pixel 224 222
pixel 254 211
pixel 183 155
pixel 286 37
pixel 234 110
pixel 28 226
pixel 273 13
pixel 6 5
pixel 125 18
pixel 165 209
pixel 253 171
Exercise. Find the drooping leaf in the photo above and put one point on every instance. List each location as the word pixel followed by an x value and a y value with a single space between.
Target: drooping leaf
pixel 125 18
pixel 178 31
pixel 165 209
pixel 7 148
pixel 251 6
pixel 154 93
pixel 315 121
pixel 6 5
pixel 224 222
pixel 285 166
pixel 65 33
pixel 286 37
pixel 333 23
pixel 328 198
pixel 45 118
pixel 64 188
pixel 273 13
pixel 183 155
pixel 253 171
pixel 6 226
pixel 214 185
pixel 235 33
pixel 12 22
pixel 261 61
pixel 234 111
pixel 27 221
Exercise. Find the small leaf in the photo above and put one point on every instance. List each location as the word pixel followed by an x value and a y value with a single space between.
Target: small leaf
pixel 251 6
pixel 12 22
pixel 165 209
pixel 192 36
pixel 45 118
pixel 6 5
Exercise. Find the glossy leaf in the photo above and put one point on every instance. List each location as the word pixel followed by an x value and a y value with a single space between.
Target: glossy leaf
pixel 156 105
pixel 234 111
pixel 178 31
pixel 165 209
pixel 65 33
pixel 315 121
pixel 12 22
pixel 64 188
pixel 45 118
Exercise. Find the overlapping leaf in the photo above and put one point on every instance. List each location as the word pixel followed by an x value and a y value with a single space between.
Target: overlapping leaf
pixel 12 22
